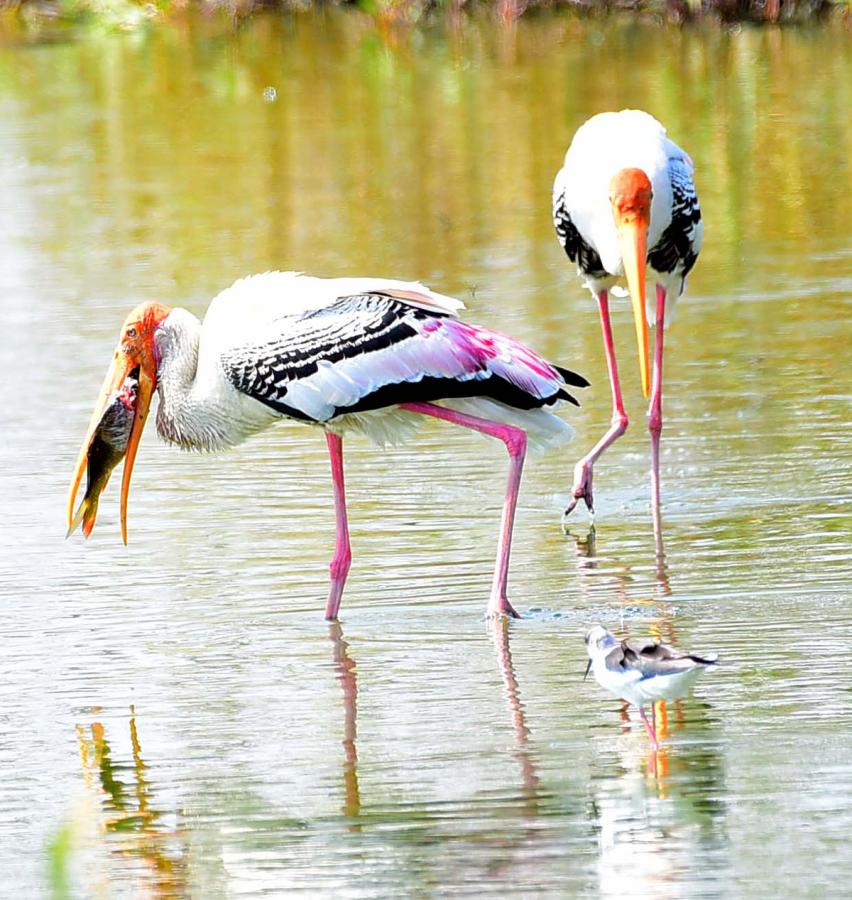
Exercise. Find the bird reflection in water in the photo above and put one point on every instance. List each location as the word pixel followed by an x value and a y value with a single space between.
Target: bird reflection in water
pixel 140 829
pixel 660 818
pixel 588 565
pixel 529 778
pixel 347 675
pixel 511 868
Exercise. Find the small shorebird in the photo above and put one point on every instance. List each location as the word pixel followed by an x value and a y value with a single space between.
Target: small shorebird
pixel 642 671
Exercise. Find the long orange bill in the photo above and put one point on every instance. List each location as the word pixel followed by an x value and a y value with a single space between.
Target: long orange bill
pixel 117 373
pixel 633 238
pixel 147 386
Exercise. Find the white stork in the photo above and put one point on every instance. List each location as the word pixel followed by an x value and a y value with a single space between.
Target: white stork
pixel 344 354
pixel 625 210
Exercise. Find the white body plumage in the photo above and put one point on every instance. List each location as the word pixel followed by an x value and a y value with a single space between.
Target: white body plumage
pixel 642 671
pixel 255 318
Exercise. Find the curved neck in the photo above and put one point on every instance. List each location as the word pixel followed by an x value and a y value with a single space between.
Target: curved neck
pixel 184 414
pixel 199 409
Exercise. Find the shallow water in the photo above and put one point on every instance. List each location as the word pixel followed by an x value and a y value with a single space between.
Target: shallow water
pixel 176 716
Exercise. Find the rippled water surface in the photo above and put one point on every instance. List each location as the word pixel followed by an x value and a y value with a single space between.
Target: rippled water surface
pixel 176 716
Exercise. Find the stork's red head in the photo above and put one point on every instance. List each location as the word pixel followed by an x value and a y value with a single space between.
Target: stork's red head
pixel 136 349
pixel 630 193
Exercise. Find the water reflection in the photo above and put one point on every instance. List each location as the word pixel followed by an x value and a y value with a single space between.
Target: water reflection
pixel 662 811
pixel 129 814
pixel 519 842
pixel 660 550
pixel 619 573
pixel 500 631
pixel 347 675
pixel 153 167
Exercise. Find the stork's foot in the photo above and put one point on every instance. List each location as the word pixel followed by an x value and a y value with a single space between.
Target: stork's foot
pixel 582 489
pixel 499 607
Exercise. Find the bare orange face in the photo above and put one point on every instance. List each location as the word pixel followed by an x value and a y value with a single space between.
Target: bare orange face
pixel 135 350
pixel 630 193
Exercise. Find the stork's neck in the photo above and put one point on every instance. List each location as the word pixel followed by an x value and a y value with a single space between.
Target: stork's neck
pixel 198 410
pixel 178 419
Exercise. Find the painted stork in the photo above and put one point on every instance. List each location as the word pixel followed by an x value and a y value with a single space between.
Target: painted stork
pixel 364 354
pixel 626 211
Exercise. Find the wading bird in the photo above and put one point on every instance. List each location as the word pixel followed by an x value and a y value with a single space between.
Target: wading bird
pixel 642 671
pixel 625 210
pixel 367 354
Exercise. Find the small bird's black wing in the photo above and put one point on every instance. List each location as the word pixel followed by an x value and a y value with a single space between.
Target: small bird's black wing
pixel 651 658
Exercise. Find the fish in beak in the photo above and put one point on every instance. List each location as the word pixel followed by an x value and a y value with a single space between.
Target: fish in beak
pixel 106 450
pixel 630 193
pixel 119 417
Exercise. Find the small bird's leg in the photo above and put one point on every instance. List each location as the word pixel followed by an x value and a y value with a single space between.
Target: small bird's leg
pixel 339 566
pixel 652 734
pixel 655 410
pixel 516 443
pixel 582 489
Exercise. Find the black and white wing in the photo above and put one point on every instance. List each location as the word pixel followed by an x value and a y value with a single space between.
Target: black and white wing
pixel 578 250
pixel 678 247
pixel 649 658
pixel 371 350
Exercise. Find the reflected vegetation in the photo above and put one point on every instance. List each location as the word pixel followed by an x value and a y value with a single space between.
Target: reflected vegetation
pixel 136 828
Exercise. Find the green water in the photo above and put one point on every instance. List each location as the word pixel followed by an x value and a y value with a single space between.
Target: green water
pixel 176 716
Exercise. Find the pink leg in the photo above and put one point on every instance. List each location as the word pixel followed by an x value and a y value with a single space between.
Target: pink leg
pixel 339 567
pixel 516 443
pixel 655 410
pixel 655 426
pixel 652 734
pixel 582 489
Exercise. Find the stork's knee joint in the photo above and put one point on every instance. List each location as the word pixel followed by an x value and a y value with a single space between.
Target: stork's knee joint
pixel 516 442
pixel 620 422
pixel 339 566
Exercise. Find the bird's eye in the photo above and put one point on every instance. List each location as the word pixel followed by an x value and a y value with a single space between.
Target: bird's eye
pixel 131 333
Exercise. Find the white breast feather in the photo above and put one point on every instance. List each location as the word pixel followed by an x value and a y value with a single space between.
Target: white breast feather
pixel 602 146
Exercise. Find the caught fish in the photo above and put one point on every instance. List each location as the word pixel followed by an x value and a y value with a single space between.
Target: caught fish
pixel 106 450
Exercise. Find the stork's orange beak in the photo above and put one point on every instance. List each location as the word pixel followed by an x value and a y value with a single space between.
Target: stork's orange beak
pixel 630 194
pixel 135 351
